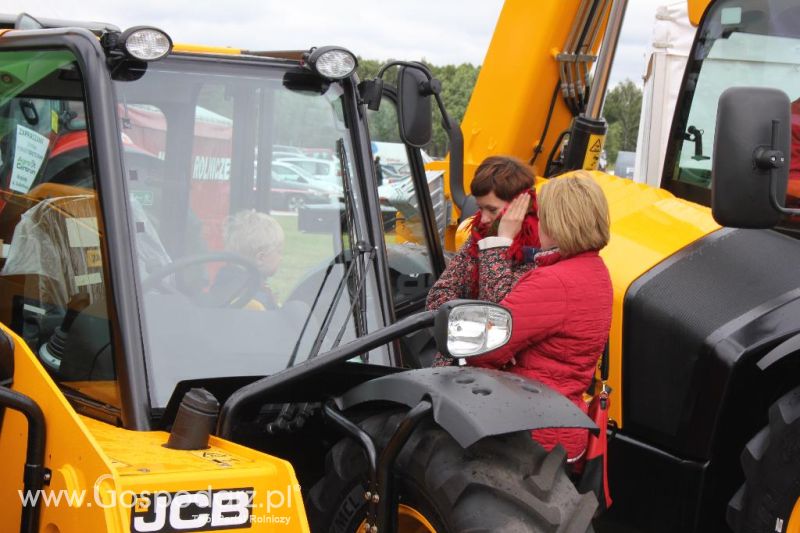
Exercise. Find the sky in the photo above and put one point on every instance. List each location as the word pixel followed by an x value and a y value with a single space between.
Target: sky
pixel 440 31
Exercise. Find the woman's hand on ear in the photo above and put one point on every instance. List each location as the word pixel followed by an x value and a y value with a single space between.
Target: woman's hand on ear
pixel 511 221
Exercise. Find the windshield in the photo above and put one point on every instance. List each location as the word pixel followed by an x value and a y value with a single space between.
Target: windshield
pixel 741 43
pixel 244 251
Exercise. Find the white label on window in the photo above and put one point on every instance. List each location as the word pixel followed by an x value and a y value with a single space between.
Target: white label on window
pixel 28 157
pixel 88 279
pixel 730 16
pixel 82 232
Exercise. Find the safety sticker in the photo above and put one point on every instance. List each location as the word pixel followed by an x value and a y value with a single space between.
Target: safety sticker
pixel 144 198
pixel 88 279
pixel 93 258
pixel 82 232
pixel 595 147
pixel 31 148
pixel 222 459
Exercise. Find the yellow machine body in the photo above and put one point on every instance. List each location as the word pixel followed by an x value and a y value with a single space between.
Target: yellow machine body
pixel 105 477
pixel 506 116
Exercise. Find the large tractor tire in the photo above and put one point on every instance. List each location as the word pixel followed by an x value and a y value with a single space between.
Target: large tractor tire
pixel 506 483
pixel 769 498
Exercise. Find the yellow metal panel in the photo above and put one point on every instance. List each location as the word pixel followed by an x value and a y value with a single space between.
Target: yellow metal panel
pixel 696 10
pixel 145 465
pixel 508 108
pixel 647 226
pixel 97 468
pixel 202 49
pixel 71 452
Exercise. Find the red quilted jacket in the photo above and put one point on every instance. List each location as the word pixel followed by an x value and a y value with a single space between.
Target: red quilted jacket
pixel 561 317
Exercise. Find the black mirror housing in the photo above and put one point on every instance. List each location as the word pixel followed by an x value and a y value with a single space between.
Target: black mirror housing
pixel 742 182
pixel 414 107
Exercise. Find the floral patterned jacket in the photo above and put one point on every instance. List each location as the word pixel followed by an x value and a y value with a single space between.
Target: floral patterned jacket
pixel 497 275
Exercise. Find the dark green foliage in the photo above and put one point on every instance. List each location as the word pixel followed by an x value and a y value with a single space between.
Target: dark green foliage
pixel 622 108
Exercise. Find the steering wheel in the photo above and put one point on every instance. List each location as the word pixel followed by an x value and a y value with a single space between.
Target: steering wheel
pixel 236 297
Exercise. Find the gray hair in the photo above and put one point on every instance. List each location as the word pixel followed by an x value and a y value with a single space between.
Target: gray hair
pixel 250 232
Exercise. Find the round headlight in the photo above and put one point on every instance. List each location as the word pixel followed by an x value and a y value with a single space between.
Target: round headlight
pixel 332 62
pixel 474 329
pixel 146 44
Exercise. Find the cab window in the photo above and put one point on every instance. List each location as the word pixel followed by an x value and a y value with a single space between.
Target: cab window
pixel 407 246
pixel 247 263
pixel 736 47
pixel 52 277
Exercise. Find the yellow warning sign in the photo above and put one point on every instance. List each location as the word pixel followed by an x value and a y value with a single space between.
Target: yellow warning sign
pixel 142 503
pixel 222 459
pixel 595 147
pixel 93 258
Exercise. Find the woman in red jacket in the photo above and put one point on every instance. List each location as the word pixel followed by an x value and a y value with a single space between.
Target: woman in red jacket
pixel 503 188
pixel 562 309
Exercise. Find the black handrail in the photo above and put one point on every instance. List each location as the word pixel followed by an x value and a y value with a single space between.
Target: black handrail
pixel 35 475
pixel 248 393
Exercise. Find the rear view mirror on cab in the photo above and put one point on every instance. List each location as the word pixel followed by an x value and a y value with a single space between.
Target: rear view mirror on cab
pixel 414 106
pixel 751 158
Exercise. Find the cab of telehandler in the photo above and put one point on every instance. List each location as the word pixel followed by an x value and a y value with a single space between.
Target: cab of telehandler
pixel 159 235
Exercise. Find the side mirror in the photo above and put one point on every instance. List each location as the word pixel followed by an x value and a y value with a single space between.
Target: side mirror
pixel 751 157
pixel 467 328
pixel 414 107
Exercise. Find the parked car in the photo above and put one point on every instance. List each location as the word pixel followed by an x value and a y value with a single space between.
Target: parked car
pixel 323 169
pixel 287 149
pixel 293 188
pixel 393 172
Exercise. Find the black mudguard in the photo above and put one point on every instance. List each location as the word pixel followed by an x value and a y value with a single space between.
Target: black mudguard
pixel 473 403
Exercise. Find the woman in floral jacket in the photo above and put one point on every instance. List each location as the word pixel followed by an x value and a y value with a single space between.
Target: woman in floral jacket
pixel 503 189
pixel 500 183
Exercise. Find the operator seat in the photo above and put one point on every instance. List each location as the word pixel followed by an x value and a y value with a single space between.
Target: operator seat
pixel 54 263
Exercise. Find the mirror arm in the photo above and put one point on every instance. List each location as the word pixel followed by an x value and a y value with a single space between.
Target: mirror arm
pixel 773 197
pixel 773 159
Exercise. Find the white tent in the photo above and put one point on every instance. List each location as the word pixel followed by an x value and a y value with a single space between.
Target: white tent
pixel 671 42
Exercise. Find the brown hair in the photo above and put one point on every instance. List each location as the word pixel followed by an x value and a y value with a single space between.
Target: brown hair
pixel 506 177
pixel 573 211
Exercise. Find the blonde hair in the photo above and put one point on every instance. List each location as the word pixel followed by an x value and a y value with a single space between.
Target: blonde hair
pixel 574 212
pixel 250 232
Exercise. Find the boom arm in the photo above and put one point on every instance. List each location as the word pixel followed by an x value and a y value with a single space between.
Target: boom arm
pixel 511 102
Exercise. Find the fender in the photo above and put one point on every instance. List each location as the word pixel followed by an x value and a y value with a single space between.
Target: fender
pixel 788 347
pixel 473 403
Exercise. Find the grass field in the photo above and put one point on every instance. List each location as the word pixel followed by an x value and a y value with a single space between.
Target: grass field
pixel 301 252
